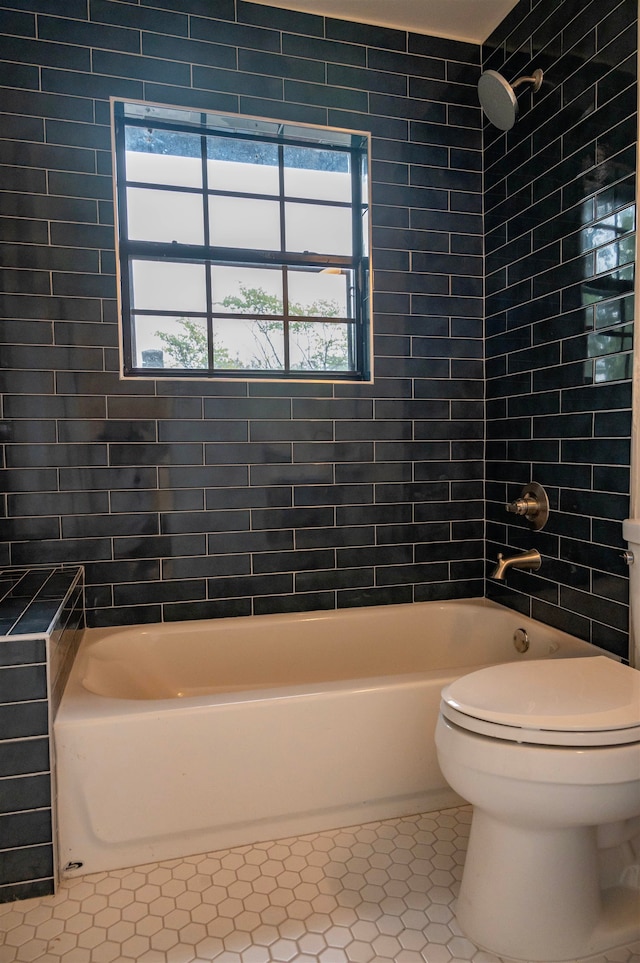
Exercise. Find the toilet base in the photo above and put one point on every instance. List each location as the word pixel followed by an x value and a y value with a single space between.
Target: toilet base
pixel 533 894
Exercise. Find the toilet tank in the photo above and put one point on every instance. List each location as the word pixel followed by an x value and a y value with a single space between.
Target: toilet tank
pixel 631 534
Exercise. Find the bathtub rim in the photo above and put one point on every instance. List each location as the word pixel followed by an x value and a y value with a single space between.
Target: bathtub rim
pixel 81 704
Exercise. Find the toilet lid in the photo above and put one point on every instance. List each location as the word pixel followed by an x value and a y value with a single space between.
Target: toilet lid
pixel 582 701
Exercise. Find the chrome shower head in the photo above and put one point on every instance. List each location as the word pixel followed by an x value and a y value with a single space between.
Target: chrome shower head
pixel 498 98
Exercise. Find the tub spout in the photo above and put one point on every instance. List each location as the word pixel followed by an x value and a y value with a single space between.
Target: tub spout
pixel 530 560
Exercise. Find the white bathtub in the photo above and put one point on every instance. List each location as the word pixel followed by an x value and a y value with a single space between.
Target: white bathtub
pixel 189 737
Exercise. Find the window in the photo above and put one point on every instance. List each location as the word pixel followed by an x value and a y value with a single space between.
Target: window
pixel 243 247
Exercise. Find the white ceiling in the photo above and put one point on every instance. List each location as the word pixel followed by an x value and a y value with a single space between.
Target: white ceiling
pixel 471 20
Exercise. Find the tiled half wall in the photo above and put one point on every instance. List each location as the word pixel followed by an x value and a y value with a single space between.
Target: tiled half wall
pixel 41 620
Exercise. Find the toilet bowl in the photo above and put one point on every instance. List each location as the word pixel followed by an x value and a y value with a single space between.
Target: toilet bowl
pixel 548 753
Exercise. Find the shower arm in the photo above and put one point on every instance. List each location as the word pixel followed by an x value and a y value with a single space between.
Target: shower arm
pixel 535 79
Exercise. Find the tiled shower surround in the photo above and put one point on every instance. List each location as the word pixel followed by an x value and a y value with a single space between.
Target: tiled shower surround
pixel 205 499
pixel 559 245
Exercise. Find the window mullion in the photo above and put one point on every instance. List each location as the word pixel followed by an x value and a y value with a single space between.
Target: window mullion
pixel 356 345
pixel 207 243
pixel 172 251
pixel 285 273
pixel 126 283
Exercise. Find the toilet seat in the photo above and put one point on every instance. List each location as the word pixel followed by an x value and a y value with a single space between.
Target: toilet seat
pixel 591 701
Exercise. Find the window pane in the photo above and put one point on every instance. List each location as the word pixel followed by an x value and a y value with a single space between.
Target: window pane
pixel 252 344
pixel 320 346
pixel 318 229
pixel 246 290
pixel 319 293
pixel 364 175
pixel 243 166
pixel 168 286
pixel 365 231
pixel 165 216
pixel 243 222
pixel 163 157
pixel 321 174
pixel 170 342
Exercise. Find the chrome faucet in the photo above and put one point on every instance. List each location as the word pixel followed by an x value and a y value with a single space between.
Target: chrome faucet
pixel 530 560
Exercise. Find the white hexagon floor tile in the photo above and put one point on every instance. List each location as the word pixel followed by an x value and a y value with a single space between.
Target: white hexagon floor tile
pixel 367 894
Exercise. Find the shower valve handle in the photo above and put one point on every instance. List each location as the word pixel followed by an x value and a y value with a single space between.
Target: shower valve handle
pixel 524 506
pixel 533 505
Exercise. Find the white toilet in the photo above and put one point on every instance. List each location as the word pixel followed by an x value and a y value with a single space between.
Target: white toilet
pixel 548 753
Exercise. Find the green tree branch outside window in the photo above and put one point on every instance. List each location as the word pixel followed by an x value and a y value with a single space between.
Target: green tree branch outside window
pixel 321 346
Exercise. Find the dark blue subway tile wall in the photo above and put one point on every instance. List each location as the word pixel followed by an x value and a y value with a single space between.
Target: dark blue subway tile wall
pixel 41 617
pixel 187 500
pixel 560 222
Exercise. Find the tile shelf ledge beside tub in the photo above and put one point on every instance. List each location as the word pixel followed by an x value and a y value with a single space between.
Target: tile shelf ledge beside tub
pixel 41 621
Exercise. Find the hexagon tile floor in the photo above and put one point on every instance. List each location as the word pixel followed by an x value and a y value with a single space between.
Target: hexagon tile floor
pixel 367 894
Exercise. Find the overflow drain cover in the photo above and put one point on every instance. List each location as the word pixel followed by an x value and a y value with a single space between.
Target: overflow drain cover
pixel 521 640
